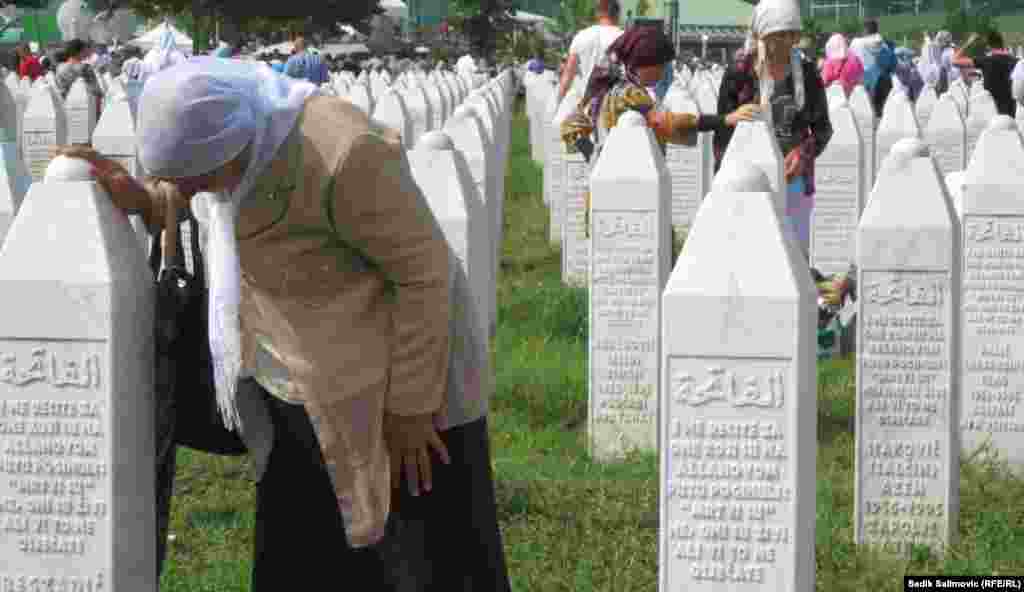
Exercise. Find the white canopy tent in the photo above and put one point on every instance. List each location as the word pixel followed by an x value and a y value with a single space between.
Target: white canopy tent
pixel 152 38
pixel 395 9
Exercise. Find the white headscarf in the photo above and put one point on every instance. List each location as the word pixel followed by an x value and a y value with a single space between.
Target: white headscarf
pixel 776 16
pixel 836 48
pixel 192 120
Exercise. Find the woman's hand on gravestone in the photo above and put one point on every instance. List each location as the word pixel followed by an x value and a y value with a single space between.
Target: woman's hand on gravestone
pixel 127 193
pixel 743 113
pixel 409 439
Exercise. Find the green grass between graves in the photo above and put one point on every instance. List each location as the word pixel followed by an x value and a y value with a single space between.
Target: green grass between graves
pixel 571 524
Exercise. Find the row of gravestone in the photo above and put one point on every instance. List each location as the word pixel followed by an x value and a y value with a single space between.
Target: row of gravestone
pixel 844 173
pixel 76 382
pixel 715 368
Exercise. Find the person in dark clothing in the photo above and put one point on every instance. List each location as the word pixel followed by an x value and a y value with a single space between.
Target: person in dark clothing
pixel 797 103
pixel 995 68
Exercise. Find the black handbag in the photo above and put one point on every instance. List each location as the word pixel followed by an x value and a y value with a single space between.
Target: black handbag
pixel 186 400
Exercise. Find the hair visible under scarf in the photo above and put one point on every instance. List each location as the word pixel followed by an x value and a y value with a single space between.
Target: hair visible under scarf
pixel 192 120
pixel 770 18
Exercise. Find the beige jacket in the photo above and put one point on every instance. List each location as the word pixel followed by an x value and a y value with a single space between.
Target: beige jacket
pixel 345 284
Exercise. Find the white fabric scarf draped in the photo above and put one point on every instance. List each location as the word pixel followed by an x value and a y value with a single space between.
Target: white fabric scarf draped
pixel 193 119
pixel 775 16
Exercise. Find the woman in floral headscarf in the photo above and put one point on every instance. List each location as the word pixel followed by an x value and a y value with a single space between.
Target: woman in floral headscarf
pixel 636 77
pixel 841 65
pixel 788 87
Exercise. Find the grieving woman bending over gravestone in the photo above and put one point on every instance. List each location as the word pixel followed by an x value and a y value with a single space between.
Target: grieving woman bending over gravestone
pixel 329 303
pixel 787 86
pixel 635 77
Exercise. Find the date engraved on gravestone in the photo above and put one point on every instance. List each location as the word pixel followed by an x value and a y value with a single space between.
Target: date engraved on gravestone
pixel 577 246
pixel 624 308
pixel 903 410
pixel 993 337
pixel 729 472
pixel 54 466
pixel 39 149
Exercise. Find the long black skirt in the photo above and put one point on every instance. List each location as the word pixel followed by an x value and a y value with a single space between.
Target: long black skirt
pixel 448 540
pixel 300 535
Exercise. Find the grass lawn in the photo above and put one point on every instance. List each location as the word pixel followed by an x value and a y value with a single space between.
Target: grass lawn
pixel 571 524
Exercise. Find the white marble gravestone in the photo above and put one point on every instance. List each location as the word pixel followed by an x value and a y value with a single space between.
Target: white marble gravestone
pixel 982 111
pixel 992 317
pixel 631 250
pixel 834 92
pixel 754 142
pixel 860 103
pixel 76 393
pixel 898 122
pixel 466 131
pixel 443 174
pixel 924 105
pixel 554 169
pixel 80 108
pixel 114 138
pixel 688 165
pixel 43 130
pixel 14 184
pixel 907 460
pixel 738 416
pixel 946 136
pixel 575 243
pixel 391 111
pixel 8 115
pixel 839 194
pixel 359 95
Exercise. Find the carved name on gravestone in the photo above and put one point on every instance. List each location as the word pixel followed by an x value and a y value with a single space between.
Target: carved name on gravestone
pixel 907 461
pixel 688 165
pixel 993 295
pixel 575 242
pixel 860 103
pixel 839 196
pixel 76 394
pixel 44 128
pixel 738 428
pixel 946 136
pixel 80 108
pixel 898 122
pixel 631 253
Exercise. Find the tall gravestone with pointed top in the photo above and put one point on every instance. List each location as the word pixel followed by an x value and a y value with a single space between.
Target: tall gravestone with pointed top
pixel 839 194
pixel 738 413
pixel 754 142
pixel 982 111
pixel 76 393
pixel 43 130
pixel 80 109
pixel 946 136
pixel 630 257
pixel 993 294
pixel 860 103
pixel 898 122
pixel 907 455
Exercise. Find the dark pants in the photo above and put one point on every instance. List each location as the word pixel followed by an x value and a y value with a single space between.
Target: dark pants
pixel 449 540
pixel 300 536
pixel 880 94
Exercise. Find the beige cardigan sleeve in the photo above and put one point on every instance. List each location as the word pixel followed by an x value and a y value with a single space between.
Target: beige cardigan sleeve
pixel 378 209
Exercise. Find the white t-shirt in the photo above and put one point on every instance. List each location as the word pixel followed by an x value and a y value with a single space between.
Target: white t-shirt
pixel 590 45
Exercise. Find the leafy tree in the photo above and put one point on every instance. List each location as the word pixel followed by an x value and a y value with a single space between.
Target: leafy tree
pixel 482 21
pixel 573 15
pixel 643 8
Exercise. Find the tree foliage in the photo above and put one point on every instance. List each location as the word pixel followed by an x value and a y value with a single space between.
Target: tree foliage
pixel 573 15
pixel 484 22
